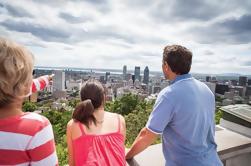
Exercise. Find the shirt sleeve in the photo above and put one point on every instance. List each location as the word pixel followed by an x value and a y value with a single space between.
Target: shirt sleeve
pixel 42 149
pixel 40 83
pixel 161 115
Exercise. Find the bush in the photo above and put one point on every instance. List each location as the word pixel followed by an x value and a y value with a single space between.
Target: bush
pixel 62 152
pixel 135 121
pixel 29 106
pixel 126 104
pixel 59 122
pixel 218 116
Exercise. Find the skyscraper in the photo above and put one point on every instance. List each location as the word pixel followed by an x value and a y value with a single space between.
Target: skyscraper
pixel 243 81
pixel 59 80
pixel 221 89
pixel 124 72
pixel 208 78
pixel 146 75
pixel 107 74
pixel 249 81
pixel 137 73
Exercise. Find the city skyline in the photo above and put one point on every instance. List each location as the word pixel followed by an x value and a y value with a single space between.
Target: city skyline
pixel 131 71
pixel 108 34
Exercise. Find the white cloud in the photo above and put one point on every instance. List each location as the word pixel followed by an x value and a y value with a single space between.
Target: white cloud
pixel 111 33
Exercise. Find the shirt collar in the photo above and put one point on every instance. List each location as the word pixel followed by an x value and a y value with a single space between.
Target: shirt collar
pixel 181 77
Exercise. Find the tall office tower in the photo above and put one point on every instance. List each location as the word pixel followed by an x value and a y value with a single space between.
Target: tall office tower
pixel 249 81
pixel 124 72
pixel 213 79
pixel 234 82
pixel 211 86
pixel 107 74
pixel 221 89
pixel 243 80
pixel 248 91
pixel 102 79
pixel 133 78
pixel 146 75
pixel 59 80
pixel 137 73
pixel 208 78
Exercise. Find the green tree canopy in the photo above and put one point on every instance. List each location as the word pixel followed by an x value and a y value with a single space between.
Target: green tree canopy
pixel 29 106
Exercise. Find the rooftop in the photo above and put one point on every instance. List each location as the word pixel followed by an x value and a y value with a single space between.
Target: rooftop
pixel 242 111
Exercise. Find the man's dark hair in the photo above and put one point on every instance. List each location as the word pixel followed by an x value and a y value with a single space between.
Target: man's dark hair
pixel 178 58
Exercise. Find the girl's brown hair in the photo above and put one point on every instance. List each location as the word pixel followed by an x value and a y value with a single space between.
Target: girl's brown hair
pixel 92 97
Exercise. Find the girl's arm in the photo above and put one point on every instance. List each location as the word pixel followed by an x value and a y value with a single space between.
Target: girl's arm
pixel 40 83
pixel 69 143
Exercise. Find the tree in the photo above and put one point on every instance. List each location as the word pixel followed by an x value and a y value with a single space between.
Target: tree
pixel 75 93
pixel 29 106
pixel 126 104
pixel 59 122
pixel 218 115
pixel 62 152
pixel 135 121
pixel 73 103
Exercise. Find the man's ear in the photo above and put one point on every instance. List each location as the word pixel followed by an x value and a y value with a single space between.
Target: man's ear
pixel 166 67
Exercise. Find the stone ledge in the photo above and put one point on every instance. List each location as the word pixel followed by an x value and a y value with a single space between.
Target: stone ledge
pixel 230 146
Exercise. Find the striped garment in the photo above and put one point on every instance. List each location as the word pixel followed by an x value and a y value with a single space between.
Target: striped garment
pixel 27 140
pixel 40 83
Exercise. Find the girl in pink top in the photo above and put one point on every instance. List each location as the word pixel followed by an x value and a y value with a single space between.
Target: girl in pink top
pixel 95 137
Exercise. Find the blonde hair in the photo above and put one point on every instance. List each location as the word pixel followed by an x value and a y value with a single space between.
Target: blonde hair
pixel 16 66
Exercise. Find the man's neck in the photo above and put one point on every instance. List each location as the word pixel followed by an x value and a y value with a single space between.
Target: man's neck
pixel 173 76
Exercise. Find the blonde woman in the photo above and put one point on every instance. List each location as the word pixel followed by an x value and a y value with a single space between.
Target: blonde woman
pixel 25 138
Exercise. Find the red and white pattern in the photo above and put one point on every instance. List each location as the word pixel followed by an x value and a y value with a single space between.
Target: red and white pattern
pixel 27 140
pixel 40 83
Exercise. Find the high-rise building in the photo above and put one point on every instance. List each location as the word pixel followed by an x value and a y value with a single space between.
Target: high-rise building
pixel 128 76
pixel 107 74
pixel 243 80
pixel 249 81
pixel 248 91
pixel 133 78
pixel 234 82
pixel 213 79
pixel 208 78
pixel 59 80
pixel 221 89
pixel 241 91
pixel 124 72
pixel 146 75
pixel 137 73
pixel 211 86
pixel 102 79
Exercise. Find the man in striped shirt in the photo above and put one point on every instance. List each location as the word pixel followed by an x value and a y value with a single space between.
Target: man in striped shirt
pixel 25 138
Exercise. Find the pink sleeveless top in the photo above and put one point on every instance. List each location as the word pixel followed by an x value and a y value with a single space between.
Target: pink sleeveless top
pixel 99 150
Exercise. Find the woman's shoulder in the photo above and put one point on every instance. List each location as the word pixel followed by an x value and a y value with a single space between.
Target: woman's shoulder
pixel 72 123
pixel 113 115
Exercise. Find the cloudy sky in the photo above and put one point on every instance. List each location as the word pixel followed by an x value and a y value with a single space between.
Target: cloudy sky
pixel 112 33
